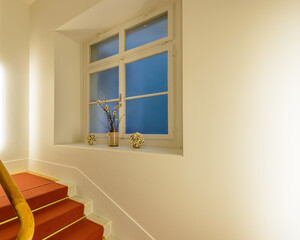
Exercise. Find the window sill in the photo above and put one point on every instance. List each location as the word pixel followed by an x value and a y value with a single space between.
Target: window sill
pixel 128 149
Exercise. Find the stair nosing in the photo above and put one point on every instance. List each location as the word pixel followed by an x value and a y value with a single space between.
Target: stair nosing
pixel 35 210
pixel 65 227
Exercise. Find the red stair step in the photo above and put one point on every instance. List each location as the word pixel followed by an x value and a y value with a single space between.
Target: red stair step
pixel 26 181
pixel 35 198
pixel 36 190
pixel 82 230
pixel 47 220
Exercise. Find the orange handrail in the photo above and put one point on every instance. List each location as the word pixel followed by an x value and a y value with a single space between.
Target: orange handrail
pixel 18 203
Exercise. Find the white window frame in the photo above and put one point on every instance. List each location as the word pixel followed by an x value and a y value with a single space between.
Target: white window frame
pixel 121 59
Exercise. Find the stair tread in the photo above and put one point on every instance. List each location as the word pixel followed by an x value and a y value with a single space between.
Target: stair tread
pixel 82 230
pixel 40 191
pixel 47 220
pixel 25 181
pixel 36 197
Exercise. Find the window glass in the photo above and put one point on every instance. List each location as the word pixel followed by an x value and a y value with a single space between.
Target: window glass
pixel 104 49
pixel 146 76
pixel 104 85
pixel 98 120
pixel 147 32
pixel 147 115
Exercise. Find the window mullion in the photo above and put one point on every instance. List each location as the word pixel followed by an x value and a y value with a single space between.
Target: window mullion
pixel 122 96
pixel 122 84
pixel 87 105
pixel 146 95
pixel 122 42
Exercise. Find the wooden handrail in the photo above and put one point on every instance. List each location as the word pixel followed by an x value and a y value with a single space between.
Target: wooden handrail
pixel 18 203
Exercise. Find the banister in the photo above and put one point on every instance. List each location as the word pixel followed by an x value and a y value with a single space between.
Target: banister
pixel 18 203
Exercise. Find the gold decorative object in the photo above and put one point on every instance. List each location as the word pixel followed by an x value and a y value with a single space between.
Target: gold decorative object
pixel 136 140
pixel 90 139
pixel 113 139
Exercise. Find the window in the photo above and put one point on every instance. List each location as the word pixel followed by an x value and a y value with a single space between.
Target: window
pixel 133 65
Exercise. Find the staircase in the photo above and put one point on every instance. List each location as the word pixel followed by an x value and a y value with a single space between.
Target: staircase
pixel 59 214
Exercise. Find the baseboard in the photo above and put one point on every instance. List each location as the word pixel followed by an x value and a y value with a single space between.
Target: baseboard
pixel 106 205
pixel 17 165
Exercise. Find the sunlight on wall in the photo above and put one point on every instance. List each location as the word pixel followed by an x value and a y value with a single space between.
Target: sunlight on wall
pixel 2 108
pixel 33 105
pixel 275 99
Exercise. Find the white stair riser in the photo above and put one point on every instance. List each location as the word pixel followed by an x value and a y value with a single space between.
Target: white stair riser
pixel 88 210
pixel 88 204
pixel 72 188
pixel 106 223
pixel 72 191
pixel 107 230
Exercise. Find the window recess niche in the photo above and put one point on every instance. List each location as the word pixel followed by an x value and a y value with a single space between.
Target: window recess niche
pixel 108 63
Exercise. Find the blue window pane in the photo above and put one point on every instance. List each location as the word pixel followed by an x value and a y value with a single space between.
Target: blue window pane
pixel 98 120
pixel 147 32
pixel 104 49
pixel 146 76
pixel 147 115
pixel 104 85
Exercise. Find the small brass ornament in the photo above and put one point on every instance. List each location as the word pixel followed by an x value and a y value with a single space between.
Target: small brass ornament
pixel 90 139
pixel 136 140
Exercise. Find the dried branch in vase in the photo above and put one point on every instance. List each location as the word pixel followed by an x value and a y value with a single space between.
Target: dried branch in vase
pixel 112 116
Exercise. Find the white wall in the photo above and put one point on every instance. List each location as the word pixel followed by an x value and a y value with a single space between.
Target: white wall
pixel 14 67
pixel 241 58
pixel 68 115
pixel 238 178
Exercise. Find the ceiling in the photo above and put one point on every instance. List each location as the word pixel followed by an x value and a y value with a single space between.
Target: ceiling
pixel 107 14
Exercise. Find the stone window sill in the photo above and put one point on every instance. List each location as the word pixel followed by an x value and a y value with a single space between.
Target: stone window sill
pixel 143 150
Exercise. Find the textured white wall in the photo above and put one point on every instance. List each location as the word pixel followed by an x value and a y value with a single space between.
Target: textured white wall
pixel 14 68
pixel 238 178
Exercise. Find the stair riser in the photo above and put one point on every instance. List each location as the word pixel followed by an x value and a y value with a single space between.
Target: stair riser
pixel 106 223
pixel 47 220
pixel 56 216
pixel 72 188
pixel 57 223
pixel 86 229
pixel 33 199
pixel 88 204
pixel 88 208
pixel 107 230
